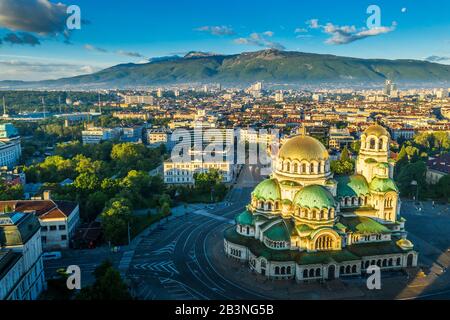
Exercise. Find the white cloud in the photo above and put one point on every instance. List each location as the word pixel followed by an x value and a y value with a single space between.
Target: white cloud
pixel 347 34
pixel 20 69
pixel 300 30
pixel 313 23
pixel 261 40
pixel 217 30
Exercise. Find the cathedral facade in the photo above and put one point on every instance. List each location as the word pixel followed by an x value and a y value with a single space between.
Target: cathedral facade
pixel 304 224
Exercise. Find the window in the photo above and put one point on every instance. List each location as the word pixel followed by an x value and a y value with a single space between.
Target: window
pixel 52 228
pixel 44 228
pixel 63 237
pixel 62 227
pixel 44 239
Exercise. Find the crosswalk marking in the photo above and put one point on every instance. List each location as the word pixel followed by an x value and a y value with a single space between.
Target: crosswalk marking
pixel 170 248
pixel 213 216
pixel 161 266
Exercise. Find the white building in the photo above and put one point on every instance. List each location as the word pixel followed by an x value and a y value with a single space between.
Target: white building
pixel 97 135
pixel 10 148
pixel 137 99
pixel 182 170
pixel 58 219
pixel 21 267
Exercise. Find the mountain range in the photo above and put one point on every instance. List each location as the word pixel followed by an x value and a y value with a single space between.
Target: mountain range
pixel 272 66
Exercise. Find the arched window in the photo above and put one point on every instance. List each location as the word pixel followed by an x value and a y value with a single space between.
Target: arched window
pixel 348 269
pixel 399 261
pixel 288 167
pixel 372 144
pixel 380 145
pixel 342 270
pixel 311 273
pixel 311 168
pixel 304 168
pixel 288 270
pixel 283 270
pixel 324 242
pixel 277 270
pixel 295 168
pixel 305 273
pixel 263 263
pixel 318 272
pixel 354 269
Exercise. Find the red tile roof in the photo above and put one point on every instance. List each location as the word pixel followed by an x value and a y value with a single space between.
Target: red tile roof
pixel 45 209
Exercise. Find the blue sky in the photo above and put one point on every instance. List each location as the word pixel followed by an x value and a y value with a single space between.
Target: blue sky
pixel 135 30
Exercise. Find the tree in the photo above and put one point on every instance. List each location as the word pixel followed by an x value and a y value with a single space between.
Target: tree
pixel 108 285
pixel 402 160
pixel 95 204
pixel 345 155
pixel 115 220
pixel 412 172
pixel 87 182
pixel 7 192
pixel 165 209
pixel 205 181
pixel 442 188
pixel 340 167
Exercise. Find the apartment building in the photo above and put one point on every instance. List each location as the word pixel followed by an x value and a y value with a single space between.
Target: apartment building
pixel 21 267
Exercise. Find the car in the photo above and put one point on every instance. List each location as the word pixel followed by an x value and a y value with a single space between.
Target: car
pixel 52 255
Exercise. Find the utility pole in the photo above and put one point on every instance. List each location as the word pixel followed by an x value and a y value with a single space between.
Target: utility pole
pixel 4 107
pixel 129 235
pixel 43 104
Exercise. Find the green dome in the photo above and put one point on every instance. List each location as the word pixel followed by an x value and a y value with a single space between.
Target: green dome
pixel 352 186
pixel 314 196
pixel 383 185
pixel 279 232
pixel 267 190
pixel 245 218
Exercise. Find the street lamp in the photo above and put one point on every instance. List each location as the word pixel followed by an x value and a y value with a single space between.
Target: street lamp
pixel 414 183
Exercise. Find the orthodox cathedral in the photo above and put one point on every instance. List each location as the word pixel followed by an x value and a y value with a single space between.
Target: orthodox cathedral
pixel 304 224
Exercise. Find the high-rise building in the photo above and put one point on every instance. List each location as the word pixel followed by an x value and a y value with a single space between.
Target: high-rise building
pixel 139 99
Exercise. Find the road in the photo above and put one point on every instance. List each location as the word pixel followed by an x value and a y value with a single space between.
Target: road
pixel 173 262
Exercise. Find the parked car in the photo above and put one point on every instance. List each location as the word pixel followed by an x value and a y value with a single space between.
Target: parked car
pixel 51 255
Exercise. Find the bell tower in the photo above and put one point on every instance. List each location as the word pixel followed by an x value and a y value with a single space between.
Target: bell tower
pixel 374 150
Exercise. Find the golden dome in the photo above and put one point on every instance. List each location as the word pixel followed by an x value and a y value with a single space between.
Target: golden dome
pixel 303 148
pixel 376 130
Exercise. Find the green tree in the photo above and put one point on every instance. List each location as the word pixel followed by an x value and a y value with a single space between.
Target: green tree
pixel 108 285
pixel 412 172
pixel 340 167
pixel 115 220
pixel 345 155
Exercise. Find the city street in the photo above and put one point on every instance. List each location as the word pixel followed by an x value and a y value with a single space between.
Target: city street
pixel 183 258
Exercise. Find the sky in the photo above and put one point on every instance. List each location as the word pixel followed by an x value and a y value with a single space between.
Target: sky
pixel 35 43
